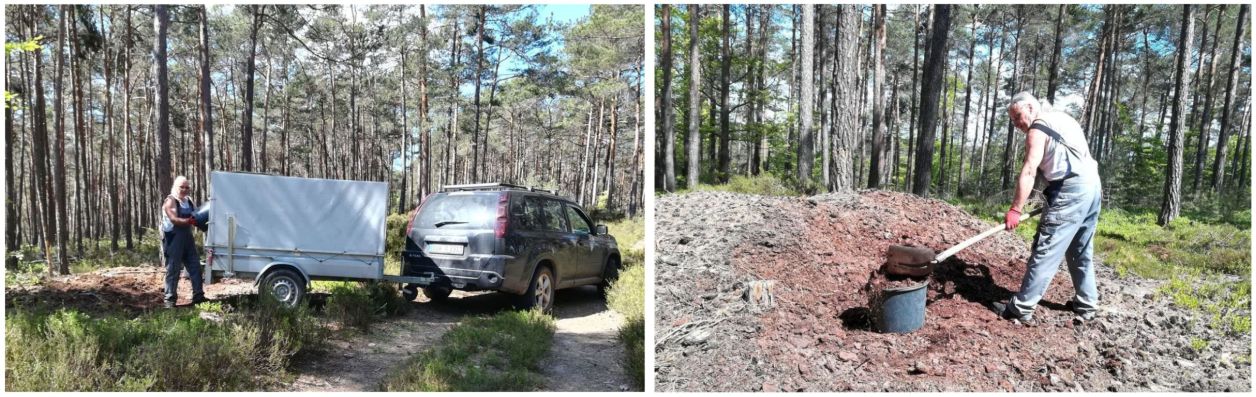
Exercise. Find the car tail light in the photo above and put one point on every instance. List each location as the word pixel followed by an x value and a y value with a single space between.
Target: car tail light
pixel 503 218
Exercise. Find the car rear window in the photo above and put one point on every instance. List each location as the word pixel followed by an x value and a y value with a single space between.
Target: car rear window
pixel 458 211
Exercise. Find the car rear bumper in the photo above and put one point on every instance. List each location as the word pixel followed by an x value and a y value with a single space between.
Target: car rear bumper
pixel 470 273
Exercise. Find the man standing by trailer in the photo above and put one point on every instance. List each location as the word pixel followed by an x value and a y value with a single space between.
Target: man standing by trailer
pixel 1055 145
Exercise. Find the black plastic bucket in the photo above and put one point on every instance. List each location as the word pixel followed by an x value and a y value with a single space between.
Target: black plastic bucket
pixel 902 310
pixel 202 217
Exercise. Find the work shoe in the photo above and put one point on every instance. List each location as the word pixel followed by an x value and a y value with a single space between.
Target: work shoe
pixel 198 299
pixel 1081 318
pixel 1004 312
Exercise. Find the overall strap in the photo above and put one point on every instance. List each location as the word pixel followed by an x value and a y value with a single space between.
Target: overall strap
pixel 1038 125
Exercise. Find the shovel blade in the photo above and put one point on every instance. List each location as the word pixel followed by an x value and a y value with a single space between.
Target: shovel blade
pixel 910 256
pixel 909 261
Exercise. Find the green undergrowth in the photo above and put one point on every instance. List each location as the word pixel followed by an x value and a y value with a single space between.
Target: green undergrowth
pixel 357 304
pixel 1207 264
pixel 764 184
pixel 213 348
pixel 25 266
pixel 498 353
pixel 627 295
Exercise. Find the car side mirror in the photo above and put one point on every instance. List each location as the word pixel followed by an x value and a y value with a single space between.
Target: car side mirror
pixel 600 230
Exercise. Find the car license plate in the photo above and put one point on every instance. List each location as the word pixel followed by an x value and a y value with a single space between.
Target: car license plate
pixel 445 249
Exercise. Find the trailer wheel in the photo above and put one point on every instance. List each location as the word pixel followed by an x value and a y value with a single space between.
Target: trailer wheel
pixel 540 293
pixel 409 292
pixel 286 286
pixel 437 293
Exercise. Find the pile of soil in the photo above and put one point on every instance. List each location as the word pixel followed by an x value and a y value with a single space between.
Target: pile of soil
pixel 821 255
pixel 115 289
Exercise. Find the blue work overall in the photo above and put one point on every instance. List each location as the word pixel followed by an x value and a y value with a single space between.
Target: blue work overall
pixel 180 248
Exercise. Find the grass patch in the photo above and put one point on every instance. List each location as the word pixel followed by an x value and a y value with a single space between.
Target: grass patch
pixel 97 255
pixel 1224 304
pixel 25 266
pixel 764 184
pixel 629 234
pixel 1199 344
pixel 627 295
pixel 171 350
pixel 498 353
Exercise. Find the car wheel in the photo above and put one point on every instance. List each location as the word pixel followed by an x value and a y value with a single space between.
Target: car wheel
pixel 286 286
pixel 437 293
pixel 540 293
pixel 610 273
pixel 409 292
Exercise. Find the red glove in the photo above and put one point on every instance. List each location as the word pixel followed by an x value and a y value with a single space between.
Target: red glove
pixel 1011 219
pixel 191 221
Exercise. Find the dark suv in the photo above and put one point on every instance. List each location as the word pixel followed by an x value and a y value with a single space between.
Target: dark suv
pixel 508 238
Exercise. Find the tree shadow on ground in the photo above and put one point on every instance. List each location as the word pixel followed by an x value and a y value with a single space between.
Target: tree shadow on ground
pixel 973 283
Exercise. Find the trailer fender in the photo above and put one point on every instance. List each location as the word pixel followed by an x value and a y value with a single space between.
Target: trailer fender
pixel 257 281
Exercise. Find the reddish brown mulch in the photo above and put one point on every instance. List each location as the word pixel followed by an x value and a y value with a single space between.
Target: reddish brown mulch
pixel 716 254
pixel 827 274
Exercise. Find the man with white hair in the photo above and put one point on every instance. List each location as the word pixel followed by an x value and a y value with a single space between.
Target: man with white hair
pixel 1055 146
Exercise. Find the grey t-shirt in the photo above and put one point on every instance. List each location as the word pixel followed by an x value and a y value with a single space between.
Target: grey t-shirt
pixel 1059 160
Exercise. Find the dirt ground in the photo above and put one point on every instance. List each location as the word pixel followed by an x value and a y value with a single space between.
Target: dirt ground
pixel 769 294
pixel 585 355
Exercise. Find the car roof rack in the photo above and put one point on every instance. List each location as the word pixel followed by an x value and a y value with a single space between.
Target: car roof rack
pixel 493 186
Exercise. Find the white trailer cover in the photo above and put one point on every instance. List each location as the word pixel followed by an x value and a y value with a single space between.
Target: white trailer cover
pixel 321 224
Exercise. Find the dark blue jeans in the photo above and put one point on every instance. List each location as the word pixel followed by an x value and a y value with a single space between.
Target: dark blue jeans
pixel 181 254
pixel 1065 234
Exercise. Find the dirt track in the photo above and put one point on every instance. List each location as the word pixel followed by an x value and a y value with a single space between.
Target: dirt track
pixel 585 355
pixel 813 256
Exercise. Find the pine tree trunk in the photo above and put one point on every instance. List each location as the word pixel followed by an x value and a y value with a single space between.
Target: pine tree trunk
pixel 669 114
pixel 1054 71
pixel 1171 201
pixel 80 161
pixel 207 109
pixel 806 154
pixel 425 140
pixel 59 176
pixel 479 72
pixel 1218 166
pixel 1205 122
pixel 246 118
pixel 968 98
pixel 694 147
pixel 846 139
pixel 876 171
pixel 1005 178
pixel 914 97
pixel 41 149
pixel 726 61
pixel 935 58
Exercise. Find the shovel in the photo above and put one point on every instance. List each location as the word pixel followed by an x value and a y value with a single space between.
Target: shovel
pixel 918 262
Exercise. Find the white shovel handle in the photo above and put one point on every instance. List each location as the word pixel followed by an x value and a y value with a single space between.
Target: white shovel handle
pixel 974 239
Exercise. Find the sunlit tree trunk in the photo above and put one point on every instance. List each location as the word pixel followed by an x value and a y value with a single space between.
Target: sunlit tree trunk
pixel 1171 201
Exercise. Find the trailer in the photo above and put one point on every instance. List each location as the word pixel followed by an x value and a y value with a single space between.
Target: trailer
pixel 284 232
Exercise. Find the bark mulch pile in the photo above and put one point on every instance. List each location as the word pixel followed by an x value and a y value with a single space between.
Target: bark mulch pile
pixel 761 293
